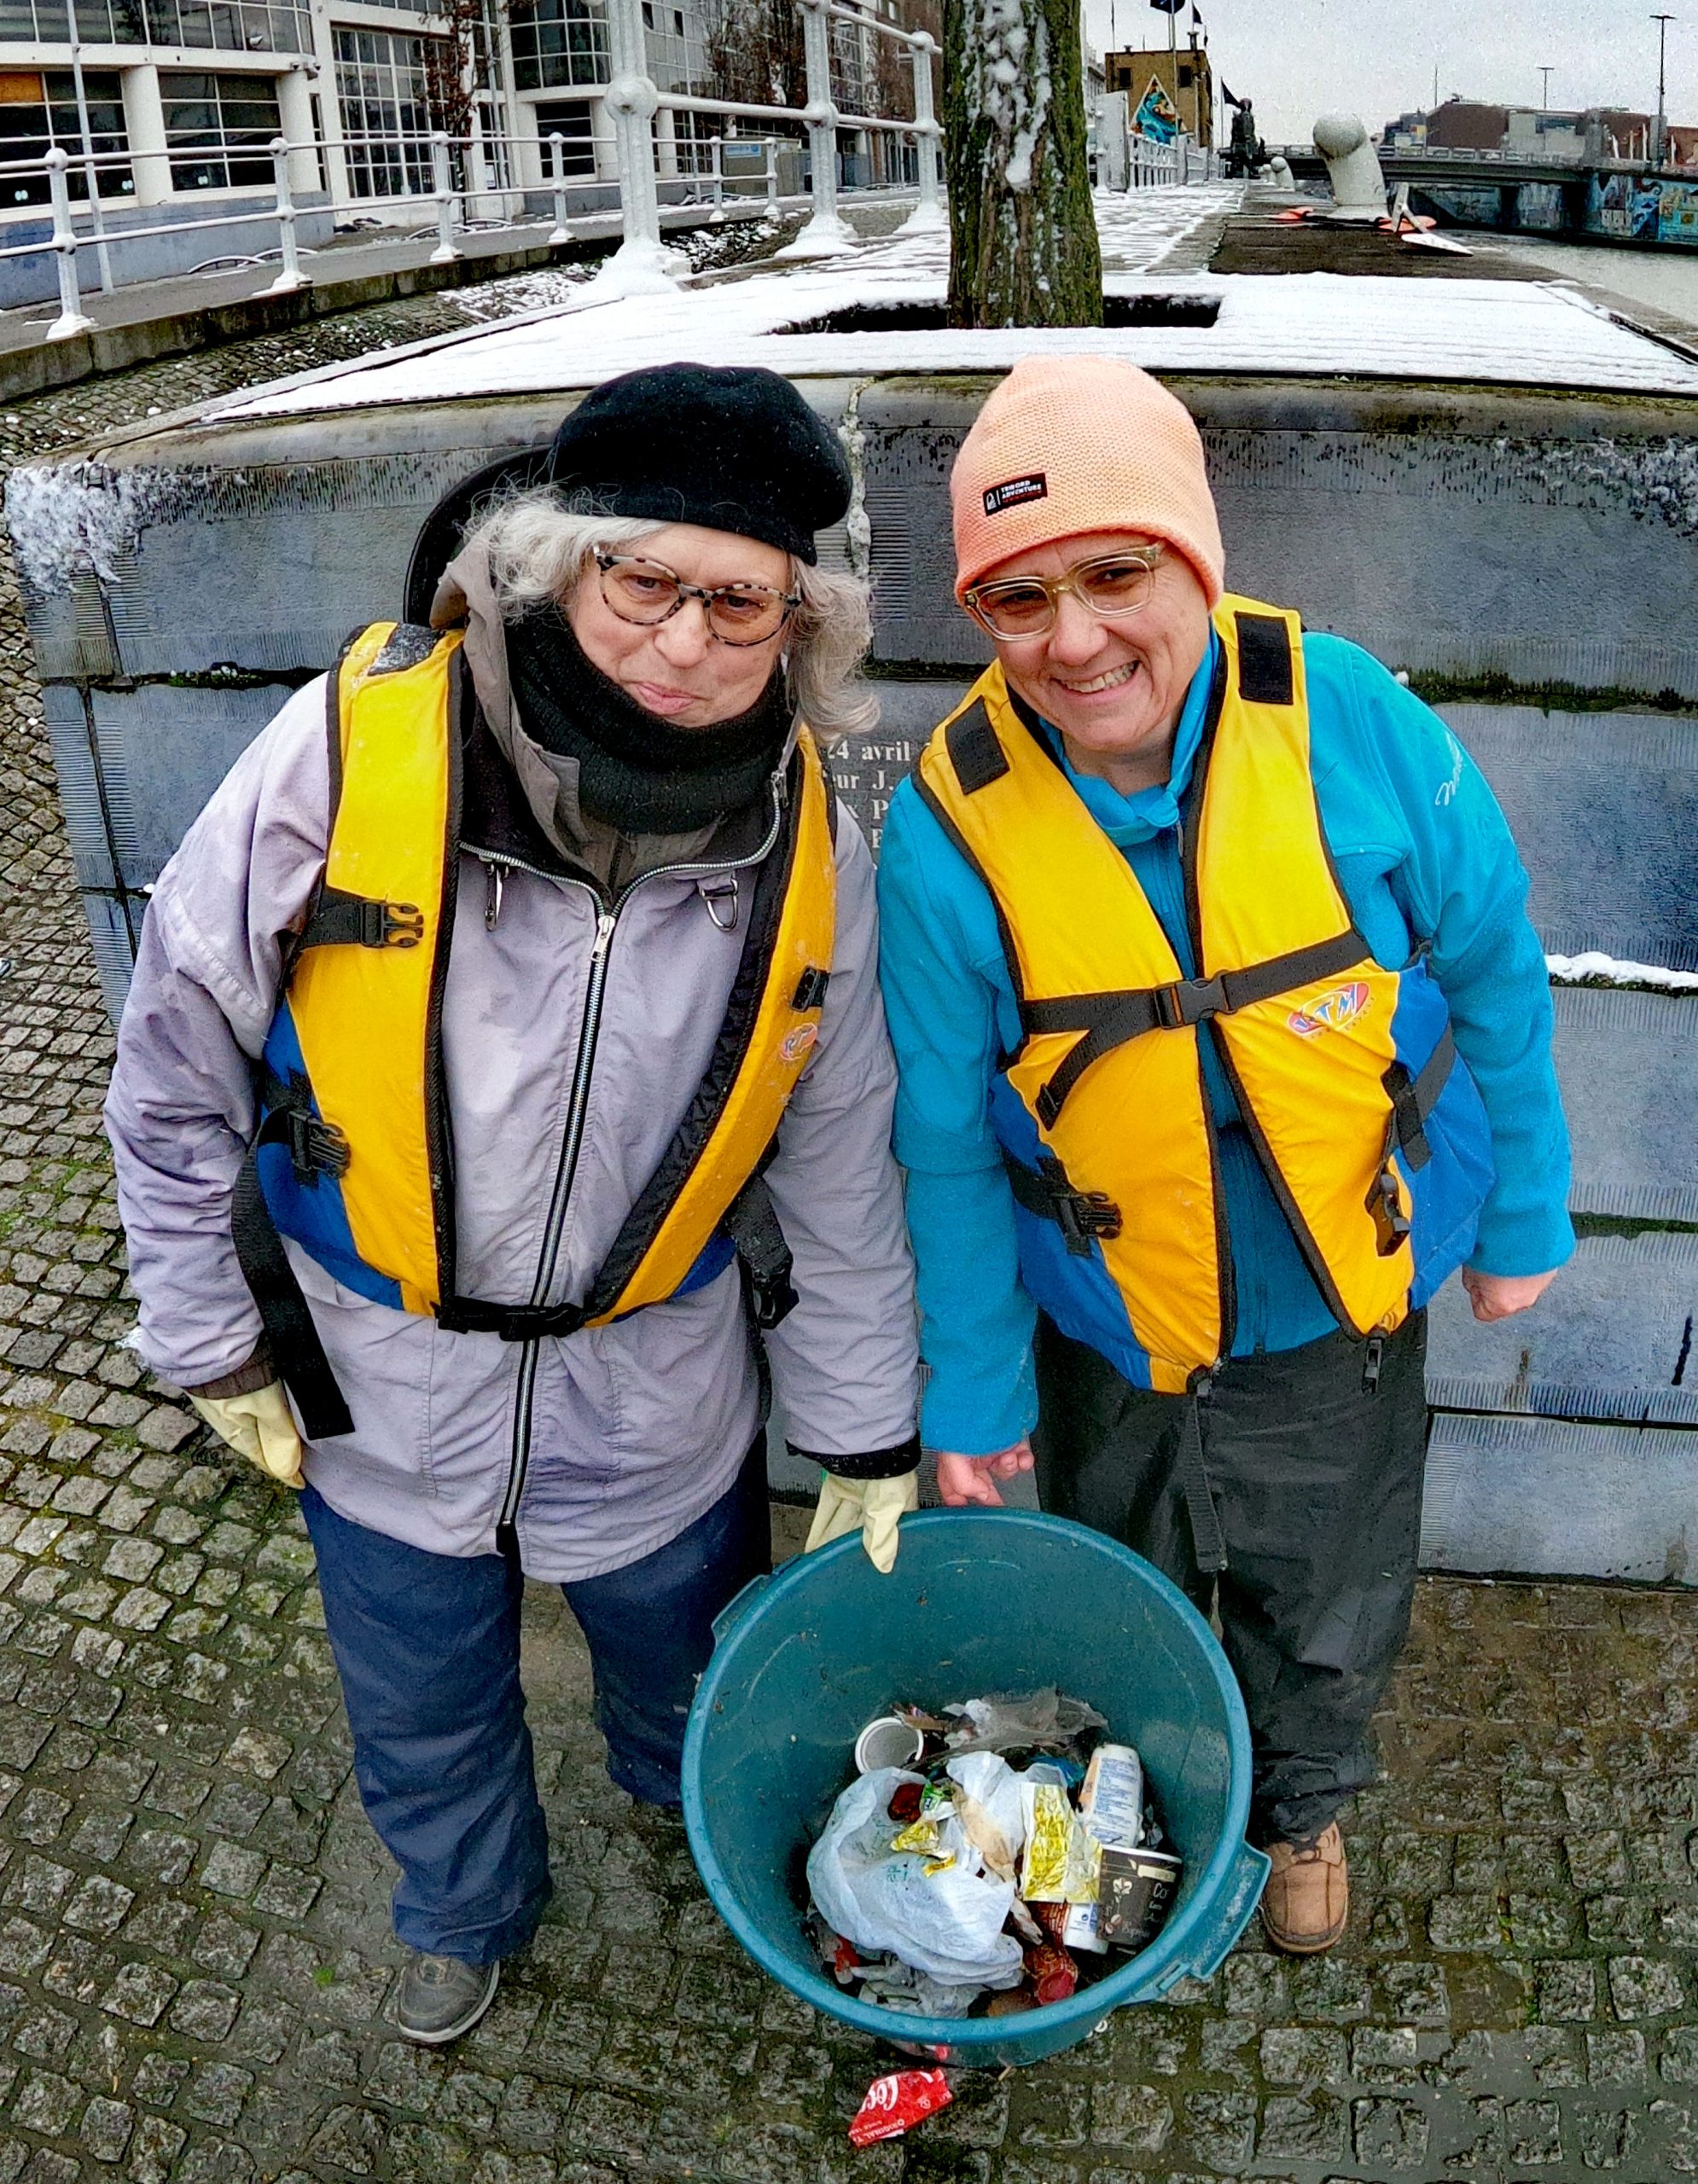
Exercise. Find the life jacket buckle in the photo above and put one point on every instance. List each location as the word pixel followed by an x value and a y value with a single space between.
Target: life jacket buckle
pixel 1188 1002
pixel 391 925
pixel 1079 1215
pixel 1391 1222
pixel 315 1148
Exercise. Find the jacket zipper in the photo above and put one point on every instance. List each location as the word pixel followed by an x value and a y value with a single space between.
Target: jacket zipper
pixel 571 1140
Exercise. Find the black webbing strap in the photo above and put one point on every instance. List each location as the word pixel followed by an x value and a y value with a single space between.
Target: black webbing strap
pixel 751 1221
pixel 1414 1098
pixel 296 1351
pixel 1209 1545
pixel 975 751
pixel 1079 1215
pixel 339 920
pixel 1110 1021
pixel 315 1148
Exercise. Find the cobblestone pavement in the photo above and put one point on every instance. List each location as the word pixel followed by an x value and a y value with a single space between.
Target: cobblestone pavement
pixel 194 1959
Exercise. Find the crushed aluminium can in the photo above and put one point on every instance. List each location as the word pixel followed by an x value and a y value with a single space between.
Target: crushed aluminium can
pixel 896 2104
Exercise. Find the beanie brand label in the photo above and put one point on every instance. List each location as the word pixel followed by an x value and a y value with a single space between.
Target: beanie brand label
pixel 1014 490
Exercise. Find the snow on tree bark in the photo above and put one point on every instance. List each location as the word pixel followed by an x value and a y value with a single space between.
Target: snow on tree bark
pixel 1023 247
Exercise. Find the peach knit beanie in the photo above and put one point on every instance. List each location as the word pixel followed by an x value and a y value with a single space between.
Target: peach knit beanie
pixel 1072 443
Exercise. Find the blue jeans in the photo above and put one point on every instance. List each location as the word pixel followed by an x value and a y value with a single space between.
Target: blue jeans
pixel 427 1647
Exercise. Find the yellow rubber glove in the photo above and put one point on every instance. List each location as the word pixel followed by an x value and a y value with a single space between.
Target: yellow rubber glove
pixel 260 1427
pixel 874 1506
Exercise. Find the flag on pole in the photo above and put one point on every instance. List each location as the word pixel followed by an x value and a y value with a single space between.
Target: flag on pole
pixel 1227 95
pixel 1168 6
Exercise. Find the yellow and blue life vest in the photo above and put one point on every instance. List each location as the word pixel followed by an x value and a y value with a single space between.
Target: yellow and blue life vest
pixel 1371 1132
pixel 353 1158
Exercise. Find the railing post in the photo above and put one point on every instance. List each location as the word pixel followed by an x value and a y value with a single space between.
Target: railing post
pixel 827 232
pixel 928 211
pixel 444 253
pixel 771 143
pixel 641 263
pixel 71 319
pixel 719 170
pixel 558 169
pixel 290 278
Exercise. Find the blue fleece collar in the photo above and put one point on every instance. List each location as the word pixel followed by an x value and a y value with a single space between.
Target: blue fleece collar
pixel 1127 820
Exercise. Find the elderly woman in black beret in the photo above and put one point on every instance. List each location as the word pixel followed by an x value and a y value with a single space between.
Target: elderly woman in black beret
pixel 503 1106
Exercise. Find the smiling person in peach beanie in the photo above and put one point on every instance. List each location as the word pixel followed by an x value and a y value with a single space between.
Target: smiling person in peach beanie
pixel 1223 1040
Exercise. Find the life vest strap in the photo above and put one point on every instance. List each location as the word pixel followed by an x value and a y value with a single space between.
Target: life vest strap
pixel 315 1148
pixel 1079 1215
pixel 339 920
pixel 750 1221
pixel 1110 1021
pixel 1413 1100
pixel 296 1350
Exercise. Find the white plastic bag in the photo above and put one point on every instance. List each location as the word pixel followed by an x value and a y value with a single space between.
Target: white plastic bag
pixel 989 1807
pixel 947 1923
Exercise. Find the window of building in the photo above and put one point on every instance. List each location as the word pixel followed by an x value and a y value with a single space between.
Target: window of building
pixel 385 121
pixel 572 123
pixel 559 42
pixel 231 25
pixel 101 22
pixel 39 110
pixel 217 129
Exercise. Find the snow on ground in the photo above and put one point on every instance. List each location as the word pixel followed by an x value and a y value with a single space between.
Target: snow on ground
pixel 1593 969
pixel 1497 332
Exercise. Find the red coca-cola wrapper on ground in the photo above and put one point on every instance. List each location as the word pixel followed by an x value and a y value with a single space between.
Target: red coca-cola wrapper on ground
pixel 1053 1974
pixel 896 2104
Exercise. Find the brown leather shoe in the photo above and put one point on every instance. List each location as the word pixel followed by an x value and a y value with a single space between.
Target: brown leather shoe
pixel 1306 1903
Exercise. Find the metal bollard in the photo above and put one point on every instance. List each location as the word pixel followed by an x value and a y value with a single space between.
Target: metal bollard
pixel 557 164
pixel 444 253
pixel 71 319
pixel 827 232
pixel 771 143
pixel 290 279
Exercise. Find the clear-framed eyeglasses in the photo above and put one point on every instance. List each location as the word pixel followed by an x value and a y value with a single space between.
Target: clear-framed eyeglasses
pixel 1109 584
pixel 736 614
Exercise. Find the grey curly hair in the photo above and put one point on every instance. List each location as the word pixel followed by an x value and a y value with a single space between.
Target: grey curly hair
pixel 538 546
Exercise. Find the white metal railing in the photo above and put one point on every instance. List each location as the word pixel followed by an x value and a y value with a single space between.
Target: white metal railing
pixel 1153 165
pixel 450 205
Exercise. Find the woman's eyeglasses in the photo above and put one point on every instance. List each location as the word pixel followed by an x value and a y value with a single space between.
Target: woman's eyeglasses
pixel 737 614
pixel 1109 584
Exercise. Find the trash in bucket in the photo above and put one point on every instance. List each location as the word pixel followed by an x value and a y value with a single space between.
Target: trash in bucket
pixel 980 1602
pixel 974 1879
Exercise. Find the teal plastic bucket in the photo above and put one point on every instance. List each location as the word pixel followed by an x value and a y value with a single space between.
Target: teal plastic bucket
pixel 979 1602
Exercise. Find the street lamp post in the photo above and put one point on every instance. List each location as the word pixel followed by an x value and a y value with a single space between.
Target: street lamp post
pixel 1662 23
pixel 1545 72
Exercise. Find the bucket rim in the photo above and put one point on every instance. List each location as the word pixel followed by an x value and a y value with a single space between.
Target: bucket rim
pixel 1153 1972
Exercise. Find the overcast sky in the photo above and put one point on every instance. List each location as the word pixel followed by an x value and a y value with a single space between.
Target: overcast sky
pixel 1299 58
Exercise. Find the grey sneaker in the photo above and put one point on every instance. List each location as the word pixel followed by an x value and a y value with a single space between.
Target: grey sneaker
pixel 440 1997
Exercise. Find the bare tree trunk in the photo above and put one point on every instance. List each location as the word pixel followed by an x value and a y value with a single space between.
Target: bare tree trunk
pixel 1023 248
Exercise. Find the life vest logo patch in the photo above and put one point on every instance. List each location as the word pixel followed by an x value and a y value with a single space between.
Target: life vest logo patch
pixel 1334 1012
pixel 794 1044
pixel 1013 491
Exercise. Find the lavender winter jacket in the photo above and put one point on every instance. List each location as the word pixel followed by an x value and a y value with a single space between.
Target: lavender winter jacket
pixel 604 1445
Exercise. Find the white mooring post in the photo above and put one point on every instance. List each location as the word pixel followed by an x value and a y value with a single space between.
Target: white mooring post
pixel 827 232
pixel 642 264
pixel 557 175
pixel 290 278
pixel 444 253
pixel 71 319
pixel 928 213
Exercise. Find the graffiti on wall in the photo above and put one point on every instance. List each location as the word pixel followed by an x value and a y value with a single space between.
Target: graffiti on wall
pixel 1644 209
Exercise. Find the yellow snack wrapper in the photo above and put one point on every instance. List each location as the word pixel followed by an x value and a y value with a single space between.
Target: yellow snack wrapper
pixel 919 1835
pixel 1062 1861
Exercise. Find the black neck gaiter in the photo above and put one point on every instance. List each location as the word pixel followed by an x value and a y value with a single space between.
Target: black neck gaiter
pixel 637 772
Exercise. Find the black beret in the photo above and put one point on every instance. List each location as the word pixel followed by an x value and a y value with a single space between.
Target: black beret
pixel 730 449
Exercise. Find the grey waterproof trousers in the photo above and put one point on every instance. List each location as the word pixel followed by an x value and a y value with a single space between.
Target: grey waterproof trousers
pixel 1313 1462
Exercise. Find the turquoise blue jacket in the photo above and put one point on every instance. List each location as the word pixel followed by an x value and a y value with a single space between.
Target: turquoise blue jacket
pixel 1423 854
